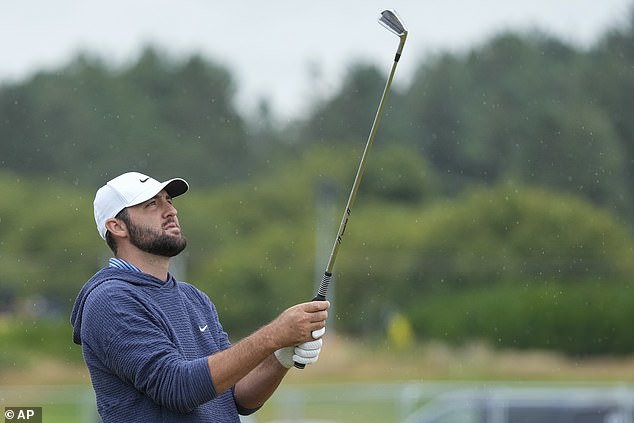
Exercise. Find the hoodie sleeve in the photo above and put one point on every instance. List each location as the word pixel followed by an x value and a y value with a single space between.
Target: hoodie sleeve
pixel 135 345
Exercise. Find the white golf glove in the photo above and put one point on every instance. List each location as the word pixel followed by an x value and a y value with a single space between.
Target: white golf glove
pixel 305 353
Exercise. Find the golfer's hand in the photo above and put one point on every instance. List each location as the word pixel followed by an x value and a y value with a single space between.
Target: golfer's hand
pixel 308 352
pixel 297 324
pixel 304 353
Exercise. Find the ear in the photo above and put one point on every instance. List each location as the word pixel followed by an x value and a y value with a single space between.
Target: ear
pixel 117 227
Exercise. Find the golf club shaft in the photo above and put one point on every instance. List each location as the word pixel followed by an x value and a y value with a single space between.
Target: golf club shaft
pixel 323 287
pixel 325 281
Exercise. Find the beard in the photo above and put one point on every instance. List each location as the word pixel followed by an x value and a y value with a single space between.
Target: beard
pixel 154 242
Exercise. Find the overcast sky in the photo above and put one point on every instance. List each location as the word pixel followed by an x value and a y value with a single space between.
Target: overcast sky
pixel 270 46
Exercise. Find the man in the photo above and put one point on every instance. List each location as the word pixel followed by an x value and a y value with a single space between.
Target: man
pixel 154 346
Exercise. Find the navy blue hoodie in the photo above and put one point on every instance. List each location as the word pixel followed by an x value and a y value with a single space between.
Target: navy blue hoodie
pixel 145 342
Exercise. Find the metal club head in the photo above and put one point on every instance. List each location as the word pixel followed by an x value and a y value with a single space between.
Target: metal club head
pixel 391 20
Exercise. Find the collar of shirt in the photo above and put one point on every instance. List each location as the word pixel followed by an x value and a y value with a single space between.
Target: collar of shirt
pixel 122 264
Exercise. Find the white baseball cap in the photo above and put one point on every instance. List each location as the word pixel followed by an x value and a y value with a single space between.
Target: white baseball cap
pixel 128 190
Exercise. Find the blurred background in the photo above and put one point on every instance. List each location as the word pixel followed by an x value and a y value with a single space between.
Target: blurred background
pixel 491 249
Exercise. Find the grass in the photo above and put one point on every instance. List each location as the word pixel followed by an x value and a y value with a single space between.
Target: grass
pixel 60 403
pixel 293 404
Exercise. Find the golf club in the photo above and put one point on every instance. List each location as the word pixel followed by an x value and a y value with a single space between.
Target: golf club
pixel 390 20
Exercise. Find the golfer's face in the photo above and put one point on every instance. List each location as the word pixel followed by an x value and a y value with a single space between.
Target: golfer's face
pixel 154 227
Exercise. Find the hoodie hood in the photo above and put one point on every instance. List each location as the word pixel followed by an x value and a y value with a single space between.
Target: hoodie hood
pixel 106 275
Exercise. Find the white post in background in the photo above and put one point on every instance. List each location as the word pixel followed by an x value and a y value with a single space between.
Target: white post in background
pixel 178 267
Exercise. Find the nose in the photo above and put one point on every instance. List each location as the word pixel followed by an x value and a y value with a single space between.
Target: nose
pixel 171 210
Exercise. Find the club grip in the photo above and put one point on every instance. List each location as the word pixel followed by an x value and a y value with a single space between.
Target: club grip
pixel 317 297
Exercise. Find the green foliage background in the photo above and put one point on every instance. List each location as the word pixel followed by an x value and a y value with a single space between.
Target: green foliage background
pixel 495 206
